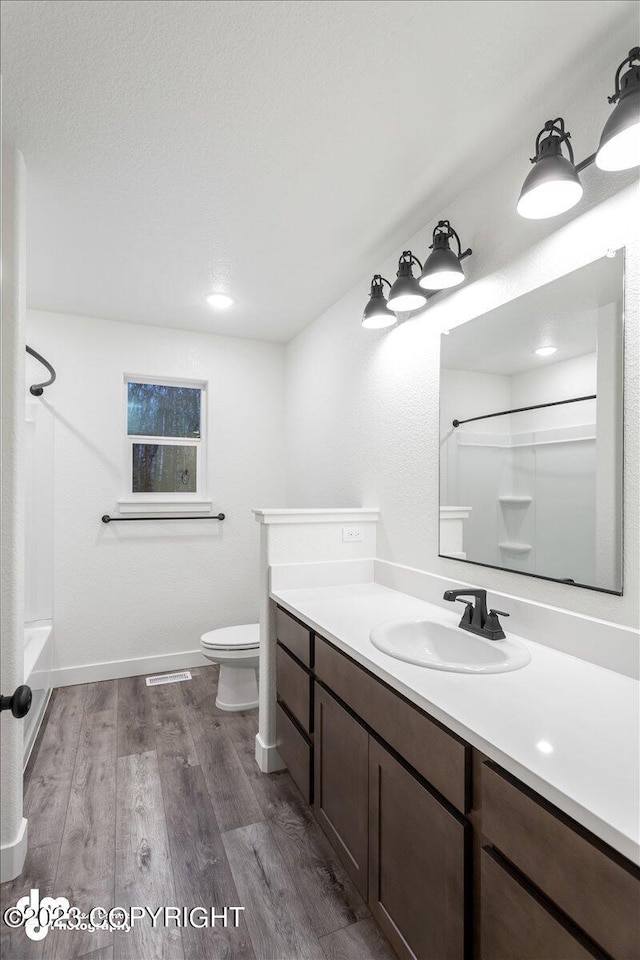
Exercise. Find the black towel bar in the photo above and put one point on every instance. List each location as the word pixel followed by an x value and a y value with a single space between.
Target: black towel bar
pixel 107 519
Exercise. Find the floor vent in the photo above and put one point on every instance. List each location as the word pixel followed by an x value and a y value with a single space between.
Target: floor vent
pixel 169 678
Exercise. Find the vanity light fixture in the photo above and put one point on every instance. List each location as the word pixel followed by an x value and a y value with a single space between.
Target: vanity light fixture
pixel 619 147
pixel 405 294
pixel 377 314
pixel 442 268
pixel 553 186
pixel 220 301
pixel 545 351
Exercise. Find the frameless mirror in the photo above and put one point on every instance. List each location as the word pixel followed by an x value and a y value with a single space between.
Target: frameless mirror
pixel 531 432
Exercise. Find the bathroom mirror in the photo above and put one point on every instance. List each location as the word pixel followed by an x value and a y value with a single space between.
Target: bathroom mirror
pixel 531 432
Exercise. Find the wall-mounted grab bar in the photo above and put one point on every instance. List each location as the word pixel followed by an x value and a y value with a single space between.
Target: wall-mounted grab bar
pixel 536 406
pixel 107 519
pixel 37 389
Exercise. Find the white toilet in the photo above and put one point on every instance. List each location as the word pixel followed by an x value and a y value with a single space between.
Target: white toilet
pixel 236 650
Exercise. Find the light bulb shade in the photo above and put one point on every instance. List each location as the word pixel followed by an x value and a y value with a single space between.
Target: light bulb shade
pixel 553 185
pixel 620 141
pixel 405 294
pixel 376 314
pixel 441 270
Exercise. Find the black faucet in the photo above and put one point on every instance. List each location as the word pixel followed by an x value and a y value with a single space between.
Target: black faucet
pixel 475 618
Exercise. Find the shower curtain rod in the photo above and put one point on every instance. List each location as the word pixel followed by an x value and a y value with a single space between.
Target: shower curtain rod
pixel 37 389
pixel 536 406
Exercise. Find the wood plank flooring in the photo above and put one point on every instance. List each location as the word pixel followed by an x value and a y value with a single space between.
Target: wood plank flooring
pixel 151 797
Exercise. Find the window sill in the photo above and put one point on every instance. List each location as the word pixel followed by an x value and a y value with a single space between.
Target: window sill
pixel 164 505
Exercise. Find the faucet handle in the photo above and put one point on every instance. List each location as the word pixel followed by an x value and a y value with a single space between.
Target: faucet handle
pixel 468 610
pixel 499 613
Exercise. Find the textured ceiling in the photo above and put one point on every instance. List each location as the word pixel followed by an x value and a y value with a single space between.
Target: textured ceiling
pixel 279 150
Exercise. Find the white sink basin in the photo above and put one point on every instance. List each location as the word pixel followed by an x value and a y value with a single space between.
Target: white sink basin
pixel 442 647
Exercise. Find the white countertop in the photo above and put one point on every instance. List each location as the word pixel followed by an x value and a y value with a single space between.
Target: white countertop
pixel 567 728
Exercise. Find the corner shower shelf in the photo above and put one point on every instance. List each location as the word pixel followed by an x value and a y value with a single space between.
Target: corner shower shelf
pixel 512 547
pixel 515 501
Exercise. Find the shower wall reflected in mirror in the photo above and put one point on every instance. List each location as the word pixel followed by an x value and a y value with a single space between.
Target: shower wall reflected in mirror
pixel 531 432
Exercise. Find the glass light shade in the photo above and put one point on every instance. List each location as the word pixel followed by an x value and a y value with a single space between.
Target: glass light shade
pixel 552 187
pixel 408 301
pixel 378 321
pixel 620 141
pixel 441 271
pixel 405 294
pixel 376 314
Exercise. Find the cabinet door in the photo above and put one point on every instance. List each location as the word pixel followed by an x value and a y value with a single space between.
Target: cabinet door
pixel 417 853
pixel 341 747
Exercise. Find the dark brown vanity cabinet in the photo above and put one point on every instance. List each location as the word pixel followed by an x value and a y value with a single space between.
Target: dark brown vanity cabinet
pixel 403 847
pixel 580 897
pixel 417 854
pixel 341 786
pixel 456 858
pixel 294 689
pixel 516 924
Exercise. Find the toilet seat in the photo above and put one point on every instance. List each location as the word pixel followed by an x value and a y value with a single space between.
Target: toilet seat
pixel 243 637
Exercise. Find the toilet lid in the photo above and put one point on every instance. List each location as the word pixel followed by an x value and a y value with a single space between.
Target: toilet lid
pixel 244 637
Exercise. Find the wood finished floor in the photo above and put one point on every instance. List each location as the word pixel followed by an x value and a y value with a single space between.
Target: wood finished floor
pixel 150 796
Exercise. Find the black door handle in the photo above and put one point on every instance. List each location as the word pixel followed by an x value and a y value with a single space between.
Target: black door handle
pixel 19 703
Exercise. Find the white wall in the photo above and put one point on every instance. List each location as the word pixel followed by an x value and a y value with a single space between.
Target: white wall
pixel 39 467
pixel 133 590
pixel 575 377
pixel 12 825
pixel 362 406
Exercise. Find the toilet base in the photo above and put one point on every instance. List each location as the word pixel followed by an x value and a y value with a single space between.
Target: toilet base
pixel 237 687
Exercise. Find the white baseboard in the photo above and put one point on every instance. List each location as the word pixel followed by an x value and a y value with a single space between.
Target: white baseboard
pixel 12 855
pixel 267 758
pixel 114 669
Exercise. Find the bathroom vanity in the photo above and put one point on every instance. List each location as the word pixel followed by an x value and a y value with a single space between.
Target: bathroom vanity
pixel 456 856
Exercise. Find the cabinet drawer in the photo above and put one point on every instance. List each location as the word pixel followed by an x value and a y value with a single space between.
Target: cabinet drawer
pixel 598 891
pixel 294 636
pixel 440 757
pixel 293 686
pixel 295 751
pixel 516 926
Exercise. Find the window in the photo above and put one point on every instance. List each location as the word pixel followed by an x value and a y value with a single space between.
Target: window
pixel 165 456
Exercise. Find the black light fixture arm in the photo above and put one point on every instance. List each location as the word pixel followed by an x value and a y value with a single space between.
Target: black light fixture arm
pixel 634 56
pixel 444 228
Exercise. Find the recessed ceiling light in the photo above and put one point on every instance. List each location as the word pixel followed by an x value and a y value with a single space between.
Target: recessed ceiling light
pixel 545 351
pixel 220 301
pixel 544 746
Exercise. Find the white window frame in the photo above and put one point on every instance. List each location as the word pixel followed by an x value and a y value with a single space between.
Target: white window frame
pixel 177 502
